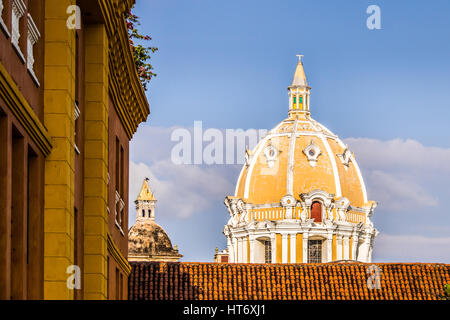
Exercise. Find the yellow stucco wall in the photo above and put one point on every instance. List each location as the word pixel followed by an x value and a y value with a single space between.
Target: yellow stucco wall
pixel 350 184
pixel 59 95
pixel 96 163
pixel 269 184
pixel 307 178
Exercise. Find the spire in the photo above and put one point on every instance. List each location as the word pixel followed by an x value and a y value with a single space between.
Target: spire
pixel 145 193
pixel 299 79
pixel 299 90
pixel 145 203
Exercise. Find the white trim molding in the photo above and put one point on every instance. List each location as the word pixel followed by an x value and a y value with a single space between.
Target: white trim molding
pixel 2 23
pixel 32 39
pixel 18 10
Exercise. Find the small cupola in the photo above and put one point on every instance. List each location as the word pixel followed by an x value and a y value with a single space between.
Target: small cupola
pixel 299 90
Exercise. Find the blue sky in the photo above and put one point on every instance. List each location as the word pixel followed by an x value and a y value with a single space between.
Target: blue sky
pixel 228 63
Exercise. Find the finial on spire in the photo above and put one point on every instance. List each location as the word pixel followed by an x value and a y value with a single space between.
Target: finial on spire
pixel 300 56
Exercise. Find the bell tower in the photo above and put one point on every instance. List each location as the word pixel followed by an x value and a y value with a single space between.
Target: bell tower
pixel 145 203
pixel 299 90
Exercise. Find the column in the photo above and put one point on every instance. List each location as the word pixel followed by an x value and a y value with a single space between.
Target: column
pixel 354 247
pixel 345 242
pixel 273 246
pixel 367 248
pixel 246 250
pixel 339 248
pixel 252 248
pixel 240 250
pixel 96 163
pixel 293 242
pixel 230 249
pixel 369 253
pixel 285 248
pixel 305 247
pixel 59 97
pixel 334 248
pixel 329 247
pixel 235 250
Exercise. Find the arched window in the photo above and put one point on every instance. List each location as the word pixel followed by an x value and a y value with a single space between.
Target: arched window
pixel 316 211
pixel 149 213
pixel 143 213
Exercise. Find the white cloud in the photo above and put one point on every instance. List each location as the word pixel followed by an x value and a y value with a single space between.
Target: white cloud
pixel 400 154
pixel 411 248
pixel 181 190
pixel 398 193
pixel 402 174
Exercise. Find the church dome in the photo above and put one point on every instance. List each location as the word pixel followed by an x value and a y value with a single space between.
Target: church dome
pixel 300 196
pixel 147 237
pixel 147 240
pixel 298 156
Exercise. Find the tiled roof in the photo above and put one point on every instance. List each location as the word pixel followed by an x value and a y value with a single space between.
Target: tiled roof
pixel 327 281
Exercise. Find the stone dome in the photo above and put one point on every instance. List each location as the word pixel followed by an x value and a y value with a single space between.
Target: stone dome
pixel 147 241
pixel 147 237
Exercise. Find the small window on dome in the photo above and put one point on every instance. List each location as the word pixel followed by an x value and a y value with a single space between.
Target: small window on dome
pixel 143 213
pixel 294 105
pixel 316 211
pixel 300 102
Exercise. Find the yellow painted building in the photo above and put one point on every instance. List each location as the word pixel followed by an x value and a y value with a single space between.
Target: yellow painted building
pixel 70 102
pixel 300 196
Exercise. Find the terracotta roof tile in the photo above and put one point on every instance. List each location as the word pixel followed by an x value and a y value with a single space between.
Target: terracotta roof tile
pixel 330 281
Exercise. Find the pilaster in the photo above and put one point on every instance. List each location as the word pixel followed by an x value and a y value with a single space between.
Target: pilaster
pixel 59 95
pixel 285 248
pixel 292 240
pixel 305 247
pixel 96 163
